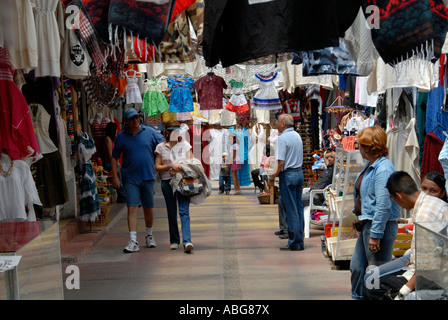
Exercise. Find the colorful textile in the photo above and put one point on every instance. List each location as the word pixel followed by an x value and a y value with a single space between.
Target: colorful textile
pixel 267 96
pixel 410 27
pixel 145 20
pixel 181 99
pixel 154 101
pixel 237 102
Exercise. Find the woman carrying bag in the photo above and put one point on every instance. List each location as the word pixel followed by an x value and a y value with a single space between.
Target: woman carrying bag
pixel 168 155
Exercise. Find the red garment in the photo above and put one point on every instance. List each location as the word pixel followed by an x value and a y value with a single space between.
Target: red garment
pixel 199 142
pixel 210 91
pixel 431 150
pixel 181 6
pixel 16 128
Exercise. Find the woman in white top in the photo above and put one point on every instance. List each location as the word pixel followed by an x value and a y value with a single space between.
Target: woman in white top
pixel 168 154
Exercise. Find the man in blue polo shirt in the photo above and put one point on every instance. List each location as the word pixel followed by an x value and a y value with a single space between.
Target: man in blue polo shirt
pixel 289 156
pixel 137 144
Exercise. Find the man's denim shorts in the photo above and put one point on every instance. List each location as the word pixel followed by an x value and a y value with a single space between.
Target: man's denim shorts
pixel 140 192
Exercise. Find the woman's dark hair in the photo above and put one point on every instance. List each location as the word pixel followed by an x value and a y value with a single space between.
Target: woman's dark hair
pixel 438 179
pixel 111 130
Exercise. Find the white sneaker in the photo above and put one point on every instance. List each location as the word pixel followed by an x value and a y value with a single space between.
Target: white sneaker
pixel 174 246
pixel 188 247
pixel 131 247
pixel 150 242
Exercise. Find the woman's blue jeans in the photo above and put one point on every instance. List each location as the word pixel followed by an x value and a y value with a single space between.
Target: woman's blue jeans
pixel 362 257
pixel 290 185
pixel 172 200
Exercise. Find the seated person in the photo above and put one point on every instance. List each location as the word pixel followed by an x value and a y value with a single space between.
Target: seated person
pixel 428 210
pixel 324 180
pixel 260 172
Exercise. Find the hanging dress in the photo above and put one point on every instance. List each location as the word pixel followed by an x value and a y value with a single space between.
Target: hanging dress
pixel 181 99
pixel 50 174
pixel 133 94
pixel 244 145
pixel 238 102
pixel 258 141
pixel 154 101
pixel 16 129
pixel 89 204
pixel 267 97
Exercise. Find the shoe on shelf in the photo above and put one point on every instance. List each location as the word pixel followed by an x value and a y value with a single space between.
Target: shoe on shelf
pixel 188 248
pixel 131 247
pixel 174 246
pixel 150 242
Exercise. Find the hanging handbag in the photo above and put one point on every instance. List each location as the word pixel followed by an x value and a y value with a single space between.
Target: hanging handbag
pixel 191 186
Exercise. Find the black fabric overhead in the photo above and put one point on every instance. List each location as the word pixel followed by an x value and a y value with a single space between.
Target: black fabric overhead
pixel 236 31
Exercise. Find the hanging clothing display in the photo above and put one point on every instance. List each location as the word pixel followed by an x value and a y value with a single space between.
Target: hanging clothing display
pixel 443 158
pixel 409 28
pixel 145 20
pixel 18 36
pixel 154 101
pixel 199 142
pixel 50 172
pixel 98 128
pixel 181 99
pixel 257 136
pixel 133 94
pixel 16 129
pixel 49 34
pixel 237 102
pixel 311 25
pixel 358 39
pixel 210 91
pixel 267 96
pixel 89 203
pixel 41 122
pixel 18 191
pixel 178 45
pixel 244 144
pixel 219 141
pixel 330 60
pixel 433 145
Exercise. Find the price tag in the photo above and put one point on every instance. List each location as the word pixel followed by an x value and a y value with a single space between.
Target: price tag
pixel 348 143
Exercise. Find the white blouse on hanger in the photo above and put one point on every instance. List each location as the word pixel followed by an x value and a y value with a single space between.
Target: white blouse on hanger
pixel 41 123
pixel 17 192
pixel 49 36
pixel 258 142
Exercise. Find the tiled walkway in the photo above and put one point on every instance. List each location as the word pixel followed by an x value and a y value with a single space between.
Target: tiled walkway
pixel 236 257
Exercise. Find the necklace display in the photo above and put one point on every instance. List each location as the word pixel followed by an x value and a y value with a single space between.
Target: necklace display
pixel 5 174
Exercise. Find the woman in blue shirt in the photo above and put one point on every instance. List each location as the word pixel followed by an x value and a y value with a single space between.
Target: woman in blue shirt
pixel 377 212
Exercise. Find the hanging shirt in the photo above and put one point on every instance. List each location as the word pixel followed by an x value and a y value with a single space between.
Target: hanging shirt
pixel 210 91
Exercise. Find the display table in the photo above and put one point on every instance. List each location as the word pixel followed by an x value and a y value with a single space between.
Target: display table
pixel 36 273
